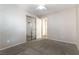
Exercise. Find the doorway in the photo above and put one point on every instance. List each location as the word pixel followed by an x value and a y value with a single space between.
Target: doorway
pixel 31 28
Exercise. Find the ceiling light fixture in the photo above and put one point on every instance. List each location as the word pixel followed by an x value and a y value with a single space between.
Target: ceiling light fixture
pixel 41 7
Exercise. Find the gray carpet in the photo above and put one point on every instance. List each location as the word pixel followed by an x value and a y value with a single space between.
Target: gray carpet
pixel 42 47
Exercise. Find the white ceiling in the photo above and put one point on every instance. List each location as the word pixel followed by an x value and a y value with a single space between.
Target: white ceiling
pixel 51 8
pixel 31 8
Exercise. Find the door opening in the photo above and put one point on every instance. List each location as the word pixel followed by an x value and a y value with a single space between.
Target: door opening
pixel 31 28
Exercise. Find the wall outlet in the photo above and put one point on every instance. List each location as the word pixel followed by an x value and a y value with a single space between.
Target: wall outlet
pixel 8 41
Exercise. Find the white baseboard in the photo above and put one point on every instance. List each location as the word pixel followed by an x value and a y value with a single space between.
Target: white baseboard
pixel 11 46
pixel 63 41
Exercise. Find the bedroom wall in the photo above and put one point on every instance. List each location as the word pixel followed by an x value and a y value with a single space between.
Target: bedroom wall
pixel 12 26
pixel 62 26
pixel 77 25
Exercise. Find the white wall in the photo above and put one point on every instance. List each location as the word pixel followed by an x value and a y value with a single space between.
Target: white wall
pixel 12 26
pixel 77 25
pixel 62 25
